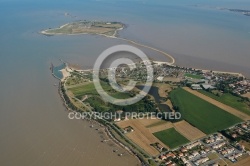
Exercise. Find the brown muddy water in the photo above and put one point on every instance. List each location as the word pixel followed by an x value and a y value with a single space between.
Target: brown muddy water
pixel 34 127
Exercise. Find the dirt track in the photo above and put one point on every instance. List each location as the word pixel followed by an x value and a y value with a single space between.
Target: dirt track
pixel 227 108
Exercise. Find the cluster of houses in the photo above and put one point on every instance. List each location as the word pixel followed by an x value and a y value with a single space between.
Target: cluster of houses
pixel 219 143
pixel 245 126
pixel 213 138
pixel 239 132
pixel 205 79
pixel 237 84
pixel 201 160
pixel 234 157
pixel 199 152
pixel 208 79
pixel 230 152
pixel 189 155
pixel 240 87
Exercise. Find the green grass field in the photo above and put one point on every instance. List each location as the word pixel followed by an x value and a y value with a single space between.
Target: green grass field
pixel 193 76
pixel 89 89
pixel 201 114
pixel 230 100
pixel 171 138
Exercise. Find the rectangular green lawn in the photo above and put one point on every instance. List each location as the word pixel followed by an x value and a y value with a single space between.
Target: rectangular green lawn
pixel 200 113
pixel 230 100
pixel 193 76
pixel 89 89
pixel 171 138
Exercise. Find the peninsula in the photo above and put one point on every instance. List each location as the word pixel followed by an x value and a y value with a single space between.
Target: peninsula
pixel 199 137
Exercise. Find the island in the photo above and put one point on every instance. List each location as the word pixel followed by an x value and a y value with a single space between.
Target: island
pixel 86 27
pixel 241 11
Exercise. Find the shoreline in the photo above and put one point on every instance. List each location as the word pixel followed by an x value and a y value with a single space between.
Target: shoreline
pixel 106 130
pixel 167 63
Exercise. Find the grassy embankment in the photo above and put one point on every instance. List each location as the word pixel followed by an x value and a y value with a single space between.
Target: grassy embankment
pixel 171 138
pixel 201 114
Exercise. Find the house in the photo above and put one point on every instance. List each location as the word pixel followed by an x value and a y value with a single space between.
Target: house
pixel 170 154
pixel 117 120
pixel 238 155
pixel 196 87
pixel 195 153
pixel 180 154
pixel 215 164
pixel 193 145
pixel 159 147
pixel 184 160
pixel 184 150
pixel 162 157
pixel 160 78
pixel 168 162
pixel 218 145
pixel 207 86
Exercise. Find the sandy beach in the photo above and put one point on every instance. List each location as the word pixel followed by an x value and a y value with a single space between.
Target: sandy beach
pixel 66 73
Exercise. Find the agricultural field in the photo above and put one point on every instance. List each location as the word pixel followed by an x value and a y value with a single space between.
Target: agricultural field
pixel 188 131
pixel 160 127
pixel 224 107
pixel 141 135
pixel 200 113
pixel 171 138
pixel 230 100
pixel 151 122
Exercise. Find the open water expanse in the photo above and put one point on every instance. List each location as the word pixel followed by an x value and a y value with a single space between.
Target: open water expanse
pixel 34 127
